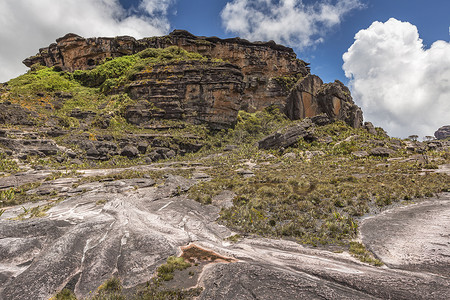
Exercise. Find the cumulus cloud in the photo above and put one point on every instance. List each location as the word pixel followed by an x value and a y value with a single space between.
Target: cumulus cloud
pixel 26 26
pixel 401 86
pixel 285 21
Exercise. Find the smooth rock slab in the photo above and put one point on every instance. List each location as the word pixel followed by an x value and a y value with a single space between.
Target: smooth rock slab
pixel 415 237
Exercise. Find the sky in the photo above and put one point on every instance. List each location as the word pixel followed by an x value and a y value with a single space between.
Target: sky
pixel 393 54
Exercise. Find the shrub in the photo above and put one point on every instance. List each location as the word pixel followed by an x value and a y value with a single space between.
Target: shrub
pixel 165 271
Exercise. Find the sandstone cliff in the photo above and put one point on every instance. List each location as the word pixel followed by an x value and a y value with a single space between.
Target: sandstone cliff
pixel 195 91
pixel 269 71
pixel 311 97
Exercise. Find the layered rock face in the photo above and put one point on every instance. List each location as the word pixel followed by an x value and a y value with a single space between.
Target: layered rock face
pixel 311 97
pixel 268 71
pixel 260 62
pixel 195 91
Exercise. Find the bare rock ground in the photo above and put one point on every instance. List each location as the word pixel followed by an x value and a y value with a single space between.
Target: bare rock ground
pixel 128 228
pixel 415 237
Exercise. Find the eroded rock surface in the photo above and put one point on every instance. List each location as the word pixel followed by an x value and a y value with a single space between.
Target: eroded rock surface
pixel 129 227
pixel 415 237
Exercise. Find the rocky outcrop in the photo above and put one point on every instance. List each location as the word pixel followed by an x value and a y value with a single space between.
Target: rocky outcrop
pixel 288 136
pixel 311 97
pixel 14 114
pixel 256 75
pixel 261 62
pixel 194 91
pixel 443 132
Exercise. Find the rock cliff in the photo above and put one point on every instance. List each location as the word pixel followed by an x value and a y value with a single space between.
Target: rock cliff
pixel 269 71
pixel 195 91
pixel 311 97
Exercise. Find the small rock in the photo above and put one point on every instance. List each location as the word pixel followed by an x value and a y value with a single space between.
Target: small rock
pixel 201 176
pixel 290 155
pixel 76 161
pixel 310 154
pixel 360 154
pixel 230 147
pixel 142 147
pixel 325 140
pixel 129 151
pixel 370 128
pixel 381 151
pixel 245 173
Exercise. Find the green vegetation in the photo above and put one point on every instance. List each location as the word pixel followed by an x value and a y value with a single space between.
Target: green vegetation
pixel 287 82
pixel 112 289
pixel 18 195
pixel 251 127
pixel 65 294
pixel 34 212
pixel 8 165
pixel 166 271
pixel 361 253
pixel 318 199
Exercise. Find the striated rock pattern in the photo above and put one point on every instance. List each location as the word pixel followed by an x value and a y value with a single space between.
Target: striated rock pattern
pixel 128 228
pixel 195 91
pixel 443 132
pixel 311 97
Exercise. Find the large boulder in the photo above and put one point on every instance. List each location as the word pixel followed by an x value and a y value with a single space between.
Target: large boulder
pixel 443 132
pixel 288 136
pixel 310 97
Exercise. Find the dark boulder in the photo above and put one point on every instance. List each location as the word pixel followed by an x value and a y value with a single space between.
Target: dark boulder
pixel 443 132
pixel 288 136
pixel 381 151
pixel 129 151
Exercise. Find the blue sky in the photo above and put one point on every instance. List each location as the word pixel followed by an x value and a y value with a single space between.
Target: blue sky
pixel 432 17
pixel 393 54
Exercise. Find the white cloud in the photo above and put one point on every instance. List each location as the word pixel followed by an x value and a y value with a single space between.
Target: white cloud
pixel 27 25
pixel 400 85
pixel 285 21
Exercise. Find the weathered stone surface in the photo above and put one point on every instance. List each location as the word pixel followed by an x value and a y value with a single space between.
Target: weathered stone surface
pixel 381 151
pixel 310 97
pixel 26 146
pixel 160 153
pixel 13 114
pixel 409 230
pixel 194 91
pixel 370 128
pixel 288 136
pixel 129 151
pixel 443 132
pixel 360 154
